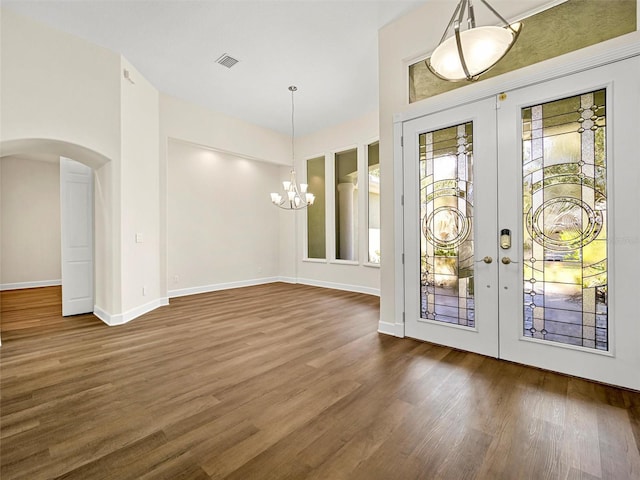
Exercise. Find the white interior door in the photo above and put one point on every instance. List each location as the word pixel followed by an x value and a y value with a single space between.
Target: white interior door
pixel 565 186
pixel 76 215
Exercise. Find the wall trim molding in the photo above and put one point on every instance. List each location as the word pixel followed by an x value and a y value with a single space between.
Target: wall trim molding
pixel 222 286
pixel 394 329
pixel 287 280
pixel 261 281
pixel 122 318
pixel 340 286
pixel 36 284
pixel 125 317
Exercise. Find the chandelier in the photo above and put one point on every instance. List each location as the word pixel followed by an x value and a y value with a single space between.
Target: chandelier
pixel 295 197
pixel 469 53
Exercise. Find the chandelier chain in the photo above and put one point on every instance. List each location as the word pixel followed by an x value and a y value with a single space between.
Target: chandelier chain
pixel 293 127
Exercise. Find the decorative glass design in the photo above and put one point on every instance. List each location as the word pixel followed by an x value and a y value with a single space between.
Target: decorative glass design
pixel 446 212
pixel 564 185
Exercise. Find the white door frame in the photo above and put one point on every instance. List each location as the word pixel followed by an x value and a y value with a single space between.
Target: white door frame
pixel 626 355
pixel 613 50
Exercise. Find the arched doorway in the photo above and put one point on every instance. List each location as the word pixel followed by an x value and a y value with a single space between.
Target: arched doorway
pixel 48 148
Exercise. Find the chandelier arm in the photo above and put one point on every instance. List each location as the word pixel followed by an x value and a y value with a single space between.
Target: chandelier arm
pixel 495 12
pixel 514 31
pixel 287 204
pixel 453 19
pixel 302 206
pixel 464 4
pixel 461 55
pixel 472 16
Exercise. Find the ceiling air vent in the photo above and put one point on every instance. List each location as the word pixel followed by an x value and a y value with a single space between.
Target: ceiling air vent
pixel 226 60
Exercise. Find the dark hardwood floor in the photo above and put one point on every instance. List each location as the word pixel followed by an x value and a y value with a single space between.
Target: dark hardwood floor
pixel 286 382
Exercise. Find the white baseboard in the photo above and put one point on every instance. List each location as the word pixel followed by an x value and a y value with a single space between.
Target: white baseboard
pixel 122 318
pixel 37 284
pixel 287 279
pixel 261 281
pixel 102 314
pixel 222 286
pixel 340 286
pixel 395 329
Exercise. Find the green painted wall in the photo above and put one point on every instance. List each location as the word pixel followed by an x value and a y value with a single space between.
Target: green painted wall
pixel 373 154
pixel 570 26
pixel 346 165
pixel 316 243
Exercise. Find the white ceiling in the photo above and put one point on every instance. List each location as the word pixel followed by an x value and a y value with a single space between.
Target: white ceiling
pixel 328 48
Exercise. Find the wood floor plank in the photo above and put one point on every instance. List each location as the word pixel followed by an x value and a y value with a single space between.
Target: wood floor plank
pixel 582 451
pixel 286 381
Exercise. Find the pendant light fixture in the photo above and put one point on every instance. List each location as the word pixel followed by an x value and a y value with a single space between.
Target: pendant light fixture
pixel 295 197
pixel 469 53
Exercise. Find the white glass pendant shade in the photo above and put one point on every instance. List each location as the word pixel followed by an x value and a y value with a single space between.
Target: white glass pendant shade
pixel 482 48
pixel 467 54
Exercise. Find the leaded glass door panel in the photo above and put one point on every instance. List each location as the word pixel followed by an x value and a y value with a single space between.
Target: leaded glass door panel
pixel 453 194
pixel 568 189
pixel 557 166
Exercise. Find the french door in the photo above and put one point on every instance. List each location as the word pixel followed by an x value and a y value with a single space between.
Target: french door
pixel 521 225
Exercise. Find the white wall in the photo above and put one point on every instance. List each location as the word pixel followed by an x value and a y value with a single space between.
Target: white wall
pixel 357 275
pixel 397 43
pixel 57 86
pixel 140 190
pixel 199 126
pixel 63 95
pixel 222 229
pixel 61 92
pixel 30 216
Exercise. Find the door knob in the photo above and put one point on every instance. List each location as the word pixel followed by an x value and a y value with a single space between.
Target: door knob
pixel 506 260
pixel 487 259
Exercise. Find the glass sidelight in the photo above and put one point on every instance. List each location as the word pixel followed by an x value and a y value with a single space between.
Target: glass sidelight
pixel 564 185
pixel 346 195
pixel 446 228
pixel 316 242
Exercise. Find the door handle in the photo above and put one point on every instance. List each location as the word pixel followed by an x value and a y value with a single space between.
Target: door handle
pixel 507 260
pixel 486 259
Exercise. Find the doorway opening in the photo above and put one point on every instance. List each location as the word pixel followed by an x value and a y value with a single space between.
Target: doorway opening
pixel 39 238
